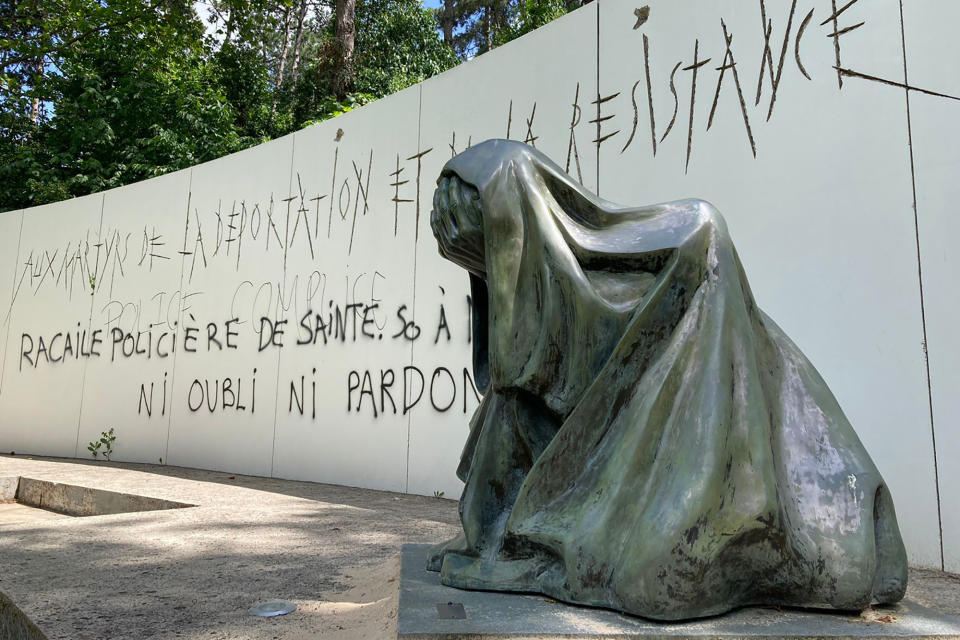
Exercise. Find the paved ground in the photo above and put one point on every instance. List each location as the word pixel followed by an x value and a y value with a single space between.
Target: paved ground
pixel 11 514
pixel 193 573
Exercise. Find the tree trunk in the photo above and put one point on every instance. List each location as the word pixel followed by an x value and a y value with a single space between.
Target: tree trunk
pixel 286 46
pixel 298 39
pixel 488 10
pixel 445 18
pixel 346 34
pixel 35 111
pixel 230 26
pixel 36 68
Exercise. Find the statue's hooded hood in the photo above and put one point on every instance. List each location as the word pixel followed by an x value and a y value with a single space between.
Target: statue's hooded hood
pixel 555 254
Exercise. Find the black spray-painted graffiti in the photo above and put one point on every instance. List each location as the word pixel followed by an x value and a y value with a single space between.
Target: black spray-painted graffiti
pixel 346 324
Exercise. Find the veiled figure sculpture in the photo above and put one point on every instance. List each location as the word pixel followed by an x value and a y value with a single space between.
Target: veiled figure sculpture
pixel 649 441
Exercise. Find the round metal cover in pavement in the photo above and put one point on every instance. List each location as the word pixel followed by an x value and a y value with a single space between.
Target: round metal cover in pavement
pixel 272 608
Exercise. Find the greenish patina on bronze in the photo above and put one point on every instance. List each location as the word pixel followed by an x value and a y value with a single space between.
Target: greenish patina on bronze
pixel 649 440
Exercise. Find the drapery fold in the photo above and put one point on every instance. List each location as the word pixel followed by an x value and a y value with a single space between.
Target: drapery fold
pixel 649 441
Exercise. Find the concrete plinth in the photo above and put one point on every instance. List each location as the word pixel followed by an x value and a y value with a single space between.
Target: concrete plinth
pixel 506 615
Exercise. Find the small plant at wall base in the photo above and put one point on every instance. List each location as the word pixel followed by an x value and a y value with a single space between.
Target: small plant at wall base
pixel 104 445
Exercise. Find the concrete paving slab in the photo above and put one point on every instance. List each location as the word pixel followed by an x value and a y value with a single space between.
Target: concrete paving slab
pixel 505 615
pixel 8 488
pixel 73 500
pixel 16 513
pixel 14 625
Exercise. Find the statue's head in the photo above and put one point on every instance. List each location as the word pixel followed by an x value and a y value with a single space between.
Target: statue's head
pixel 457 222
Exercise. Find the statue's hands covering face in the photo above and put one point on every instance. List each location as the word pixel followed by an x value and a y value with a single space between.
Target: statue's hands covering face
pixel 457 222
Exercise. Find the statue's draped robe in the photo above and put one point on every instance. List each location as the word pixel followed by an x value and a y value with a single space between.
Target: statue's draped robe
pixel 649 440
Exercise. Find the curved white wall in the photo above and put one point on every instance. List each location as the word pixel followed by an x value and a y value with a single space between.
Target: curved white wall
pixel 836 197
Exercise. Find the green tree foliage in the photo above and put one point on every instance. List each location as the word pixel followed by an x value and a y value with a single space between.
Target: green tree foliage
pixel 99 93
pixel 477 24
pixel 95 96
pixel 473 27
pixel 528 15
pixel 397 46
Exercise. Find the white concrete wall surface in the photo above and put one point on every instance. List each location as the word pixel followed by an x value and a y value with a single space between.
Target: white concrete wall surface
pixel 278 311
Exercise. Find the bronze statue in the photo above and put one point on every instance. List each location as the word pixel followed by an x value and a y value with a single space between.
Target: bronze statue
pixel 649 440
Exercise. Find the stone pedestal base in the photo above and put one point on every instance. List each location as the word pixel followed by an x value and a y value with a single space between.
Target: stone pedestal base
pixel 429 611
